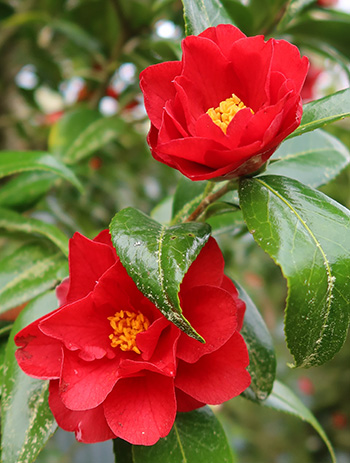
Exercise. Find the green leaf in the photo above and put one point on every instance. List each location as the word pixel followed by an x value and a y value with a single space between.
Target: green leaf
pixel 122 451
pixel 76 34
pixel 26 420
pixel 262 357
pixel 230 222
pixel 294 7
pixel 308 235
pixel 26 189
pixel 196 437
pixel 3 344
pixel 187 196
pixel 314 158
pixel 326 51
pixel 324 111
pixel 241 15
pixel 64 133
pixel 16 222
pixel 12 162
pixel 201 14
pixel 283 399
pixel 328 26
pixel 21 19
pixel 157 258
pixel 95 136
pixel 29 271
pixel 162 211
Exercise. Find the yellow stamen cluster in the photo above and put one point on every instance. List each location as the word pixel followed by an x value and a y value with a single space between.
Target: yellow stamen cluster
pixel 226 111
pixel 126 325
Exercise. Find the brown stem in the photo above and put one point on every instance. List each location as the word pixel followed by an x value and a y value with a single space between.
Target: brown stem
pixel 211 198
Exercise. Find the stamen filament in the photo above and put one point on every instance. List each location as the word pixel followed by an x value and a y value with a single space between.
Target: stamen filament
pixel 126 326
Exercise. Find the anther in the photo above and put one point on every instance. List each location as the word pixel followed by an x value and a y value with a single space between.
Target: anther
pixel 226 111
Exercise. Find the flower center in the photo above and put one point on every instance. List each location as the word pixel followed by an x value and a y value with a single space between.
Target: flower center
pixel 226 111
pixel 126 325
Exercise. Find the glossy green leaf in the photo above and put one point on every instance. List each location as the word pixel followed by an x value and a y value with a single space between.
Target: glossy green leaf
pixel 283 399
pixel 308 235
pixel 17 222
pixel 95 136
pixel 122 451
pixel 64 133
pixel 219 208
pixel 28 272
pixel 293 8
pixel 23 191
pixel 262 357
pixel 26 420
pixel 314 158
pixel 196 437
pixel 201 14
pixel 12 162
pixel 231 223
pixel 324 111
pixel 157 258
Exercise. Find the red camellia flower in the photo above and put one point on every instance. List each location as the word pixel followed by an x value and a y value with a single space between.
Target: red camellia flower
pixel 222 111
pixel 117 367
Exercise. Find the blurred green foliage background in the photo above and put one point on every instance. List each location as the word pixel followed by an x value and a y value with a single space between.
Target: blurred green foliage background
pixel 65 65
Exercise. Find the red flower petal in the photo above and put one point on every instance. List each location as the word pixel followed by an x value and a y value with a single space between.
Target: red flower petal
pixel 170 129
pixel 216 377
pixel 90 426
pixel 104 237
pixel 229 286
pixel 251 63
pixel 141 410
pixel 204 151
pixel 206 269
pixel 213 314
pixel 117 291
pixel 164 356
pixel 39 355
pixel 88 260
pixel 80 326
pixel 156 84
pixel 186 403
pixel 237 158
pixel 209 84
pixel 147 340
pixel 62 291
pixel 287 60
pixel 81 387
pixel 182 107
pixel 224 35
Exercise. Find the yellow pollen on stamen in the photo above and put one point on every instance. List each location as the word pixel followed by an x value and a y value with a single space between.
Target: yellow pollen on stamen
pixel 226 111
pixel 126 325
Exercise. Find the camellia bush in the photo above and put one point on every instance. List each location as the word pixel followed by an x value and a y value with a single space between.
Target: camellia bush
pixel 150 150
